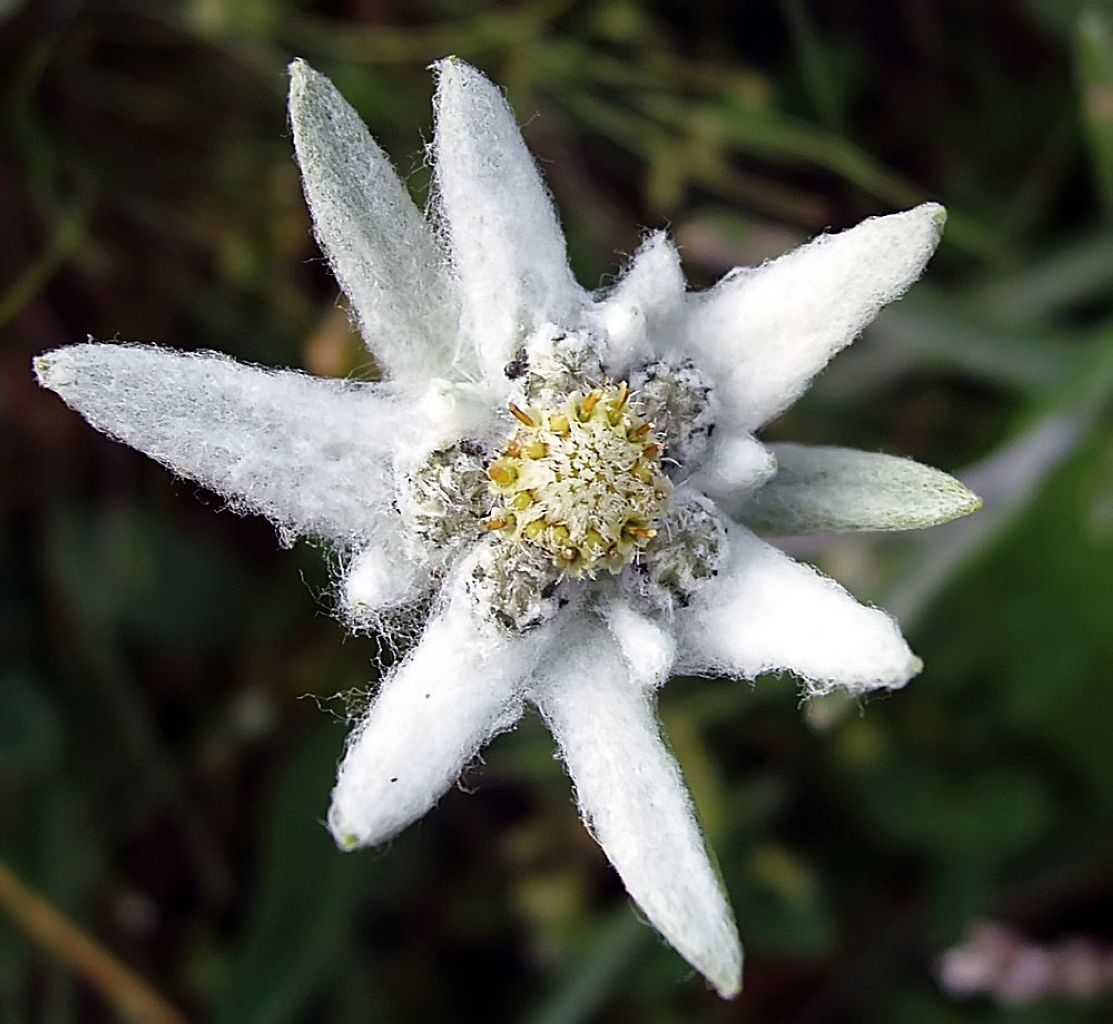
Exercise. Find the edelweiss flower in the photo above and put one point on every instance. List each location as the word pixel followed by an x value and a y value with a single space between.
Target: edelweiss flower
pixel 563 476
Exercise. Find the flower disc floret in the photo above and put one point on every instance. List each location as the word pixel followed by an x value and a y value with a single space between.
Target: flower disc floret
pixel 580 480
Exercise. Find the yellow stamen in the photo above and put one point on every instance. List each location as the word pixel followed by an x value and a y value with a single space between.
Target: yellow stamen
pixel 589 404
pixel 522 500
pixel 639 432
pixel 501 523
pixel 522 417
pixel 651 451
pixel 502 472
pixel 536 450
pixel 619 402
pixel 559 425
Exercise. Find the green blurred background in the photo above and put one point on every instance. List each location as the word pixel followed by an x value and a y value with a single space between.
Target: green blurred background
pixel 162 784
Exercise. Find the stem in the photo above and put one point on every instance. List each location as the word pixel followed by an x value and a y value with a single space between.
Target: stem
pixel 131 996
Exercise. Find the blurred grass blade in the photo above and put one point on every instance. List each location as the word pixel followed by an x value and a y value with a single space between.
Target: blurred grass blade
pixel 700 163
pixel 1094 55
pixel 589 980
pixel 306 901
pixel 1077 271
pixel 30 727
pixel 68 233
pixel 480 32
pixel 936 331
pixel 1008 481
pixel 774 135
pixel 819 77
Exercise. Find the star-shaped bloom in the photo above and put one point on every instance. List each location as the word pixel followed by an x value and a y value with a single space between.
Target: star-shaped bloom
pixel 567 479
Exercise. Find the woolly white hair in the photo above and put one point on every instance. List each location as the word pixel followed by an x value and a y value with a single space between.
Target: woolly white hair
pixel 446 305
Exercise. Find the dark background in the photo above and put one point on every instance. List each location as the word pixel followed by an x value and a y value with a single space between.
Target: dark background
pixel 162 784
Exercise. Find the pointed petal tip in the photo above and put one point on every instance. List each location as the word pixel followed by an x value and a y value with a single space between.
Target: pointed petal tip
pixel 728 986
pixel 898 679
pixel 347 836
pixel 310 92
pixel 54 369
pixel 725 974
pixel 659 249
pixel 935 215
pixel 41 365
pixel 462 87
pixel 451 72
pixel 965 503
pixel 301 73
pixel 463 90
pixel 960 502
pixel 902 673
pixel 304 78
pixel 450 62
pixel 929 218
pixel 919 228
pixel 658 238
pixel 346 842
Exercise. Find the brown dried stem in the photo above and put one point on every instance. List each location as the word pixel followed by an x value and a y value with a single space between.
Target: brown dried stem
pixel 130 994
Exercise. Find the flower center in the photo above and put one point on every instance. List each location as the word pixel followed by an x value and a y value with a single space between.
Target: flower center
pixel 581 480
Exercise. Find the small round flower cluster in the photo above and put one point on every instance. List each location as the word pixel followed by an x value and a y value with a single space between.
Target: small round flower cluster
pixel 577 486
pixel 581 480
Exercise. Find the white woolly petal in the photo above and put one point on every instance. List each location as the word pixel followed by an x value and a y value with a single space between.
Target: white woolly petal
pixel 764 333
pixel 445 411
pixel 312 455
pixel 765 613
pixel 648 647
pixel 507 246
pixel 735 467
pixel 382 250
pixel 456 690
pixel 644 307
pixel 634 802
pixel 381 577
pixel 821 488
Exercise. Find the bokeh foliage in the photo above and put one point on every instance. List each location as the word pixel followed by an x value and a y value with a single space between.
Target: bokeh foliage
pixel 160 781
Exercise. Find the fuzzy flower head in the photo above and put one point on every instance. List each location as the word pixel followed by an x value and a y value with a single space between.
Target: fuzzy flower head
pixel 568 479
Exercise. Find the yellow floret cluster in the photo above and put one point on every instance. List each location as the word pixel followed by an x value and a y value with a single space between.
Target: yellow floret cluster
pixel 581 480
